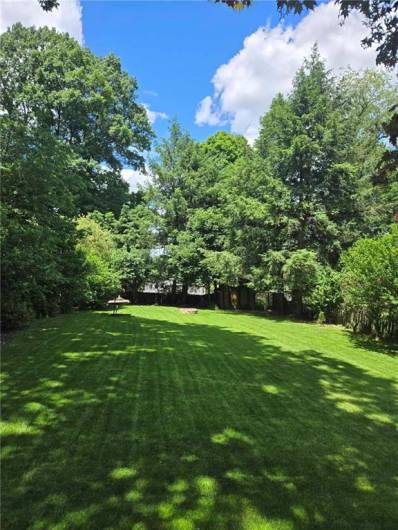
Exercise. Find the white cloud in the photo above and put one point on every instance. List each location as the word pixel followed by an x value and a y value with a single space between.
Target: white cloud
pixel 134 177
pixel 207 112
pixel 245 86
pixel 67 18
pixel 154 115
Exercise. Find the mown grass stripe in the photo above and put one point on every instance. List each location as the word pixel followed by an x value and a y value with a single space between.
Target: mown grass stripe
pixel 164 419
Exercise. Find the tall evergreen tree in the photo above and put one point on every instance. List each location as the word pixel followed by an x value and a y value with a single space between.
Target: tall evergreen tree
pixel 176 159
pixel 303 140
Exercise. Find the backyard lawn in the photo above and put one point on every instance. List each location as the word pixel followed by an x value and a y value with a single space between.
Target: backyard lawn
pixel 156 419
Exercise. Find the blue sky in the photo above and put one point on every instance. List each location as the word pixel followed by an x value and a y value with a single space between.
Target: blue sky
pixel 172 48
pixel 205 64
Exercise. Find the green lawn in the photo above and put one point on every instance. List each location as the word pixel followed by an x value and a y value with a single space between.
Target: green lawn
pixel 156 419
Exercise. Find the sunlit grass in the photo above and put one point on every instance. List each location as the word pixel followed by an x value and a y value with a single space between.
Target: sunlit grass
pixel 155 419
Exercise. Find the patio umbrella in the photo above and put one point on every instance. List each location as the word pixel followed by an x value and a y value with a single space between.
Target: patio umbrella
pixel 116 302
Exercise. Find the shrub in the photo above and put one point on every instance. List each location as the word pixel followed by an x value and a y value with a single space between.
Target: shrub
pixel 16 313
pixel 370 285
pixel 101 280
pixel 326 297
pixel 300 276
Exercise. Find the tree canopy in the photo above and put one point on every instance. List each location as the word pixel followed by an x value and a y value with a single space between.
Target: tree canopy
pixel 284 216
pixel 68 122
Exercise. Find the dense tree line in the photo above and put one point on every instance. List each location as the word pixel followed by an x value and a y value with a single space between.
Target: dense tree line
pixel 69 121
pixel 290 214
pixel 280 215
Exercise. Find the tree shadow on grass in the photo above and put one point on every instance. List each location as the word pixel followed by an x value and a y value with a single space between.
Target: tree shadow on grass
pixel 139 423
pixel 388 347
pixel 268 315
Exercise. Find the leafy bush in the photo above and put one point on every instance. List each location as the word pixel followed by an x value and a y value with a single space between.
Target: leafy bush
pixel 101 279
pixel 16 313
pixel 41 272
pixel 296 274
pixel 325 299
pixel 300 276
pixel 370 284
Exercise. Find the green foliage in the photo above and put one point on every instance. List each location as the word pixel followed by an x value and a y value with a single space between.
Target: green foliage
pixel 94 237
pixel 176 159
pixel 209 227
pixel 41 271
pixel 53 87
pixel 136 227
pixel 133 267
pixel 326 297
pixel 256 210
pixel 300 273
pixel 68 121
pixel 368 100
pixel 223 149
pixel 303 141
pixel 101 279
pixel 105 220
pixel 299 276
pixel 268 275
pixel 278 215
pixel 370 283
pixel 133 237
pixel 222 268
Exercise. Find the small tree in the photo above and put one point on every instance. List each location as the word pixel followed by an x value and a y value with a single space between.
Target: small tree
pixel 326 298
pixel 101 279
pixel 300 275
pixel 370 284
